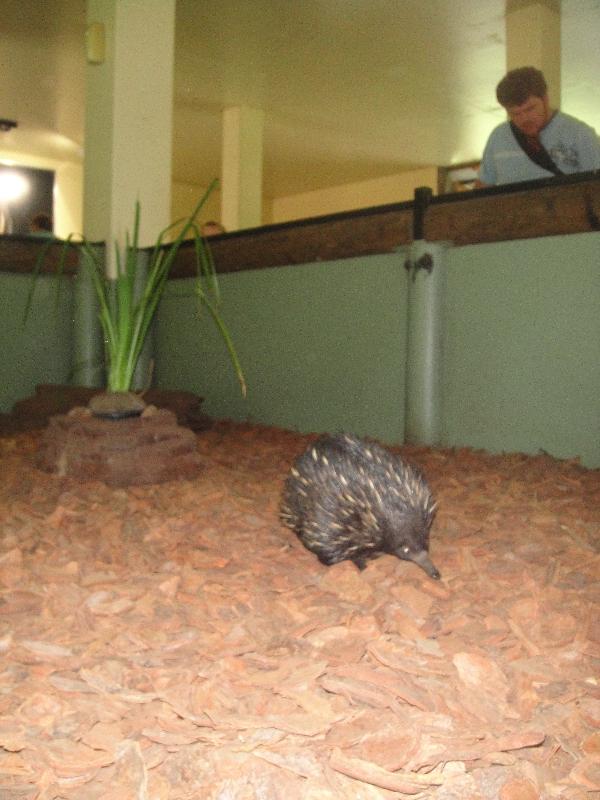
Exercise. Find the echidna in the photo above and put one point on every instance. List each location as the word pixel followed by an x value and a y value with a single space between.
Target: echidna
pixel 349 499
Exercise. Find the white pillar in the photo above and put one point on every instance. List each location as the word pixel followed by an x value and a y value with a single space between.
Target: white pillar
pixel 128 120
pixel 533 40
pixel 241 176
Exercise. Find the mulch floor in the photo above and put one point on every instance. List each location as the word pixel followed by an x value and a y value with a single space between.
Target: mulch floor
pixel 175 641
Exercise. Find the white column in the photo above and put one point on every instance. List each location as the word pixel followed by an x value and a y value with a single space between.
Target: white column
pixel 128 120
pixel 241 176
pixel 533 40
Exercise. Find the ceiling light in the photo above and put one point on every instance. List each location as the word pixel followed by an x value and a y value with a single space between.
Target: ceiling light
pixel 13 186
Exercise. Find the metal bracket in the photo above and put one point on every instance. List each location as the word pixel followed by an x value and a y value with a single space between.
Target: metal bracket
pixel 425 262
pixel 592 217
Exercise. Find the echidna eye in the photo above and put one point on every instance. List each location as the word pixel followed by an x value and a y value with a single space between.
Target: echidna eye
pixel 406 549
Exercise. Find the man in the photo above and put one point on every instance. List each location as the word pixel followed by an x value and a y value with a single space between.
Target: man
pixel 536 141
pixel 211 228
pixel 41 225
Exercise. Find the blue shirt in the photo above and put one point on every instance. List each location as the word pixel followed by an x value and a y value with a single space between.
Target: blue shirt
pixel 573 145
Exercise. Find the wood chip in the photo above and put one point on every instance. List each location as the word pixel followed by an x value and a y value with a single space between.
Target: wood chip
pixel 176 641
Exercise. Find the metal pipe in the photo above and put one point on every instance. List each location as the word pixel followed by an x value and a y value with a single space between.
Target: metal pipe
pixel 424 362
pixel 88 350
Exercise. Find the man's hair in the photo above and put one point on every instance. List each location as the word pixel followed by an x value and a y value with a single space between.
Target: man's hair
pixel 42 222
pixel 519 84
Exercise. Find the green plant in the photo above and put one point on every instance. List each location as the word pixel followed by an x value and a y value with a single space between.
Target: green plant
pixel 127 309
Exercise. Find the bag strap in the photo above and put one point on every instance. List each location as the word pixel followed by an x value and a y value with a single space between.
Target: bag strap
pixel 541 157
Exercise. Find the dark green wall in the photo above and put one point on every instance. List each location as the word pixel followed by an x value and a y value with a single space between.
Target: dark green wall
pixel 522 360
pixel 324 347
pixel 41 350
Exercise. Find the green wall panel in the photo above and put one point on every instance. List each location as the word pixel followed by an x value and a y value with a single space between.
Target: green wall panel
pixel 522 348
pixel 322 345
pixel 40 351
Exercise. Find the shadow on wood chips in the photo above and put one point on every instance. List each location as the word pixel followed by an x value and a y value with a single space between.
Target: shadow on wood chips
pixel 175 641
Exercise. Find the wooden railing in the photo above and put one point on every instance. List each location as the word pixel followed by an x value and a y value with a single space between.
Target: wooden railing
pixel 553 207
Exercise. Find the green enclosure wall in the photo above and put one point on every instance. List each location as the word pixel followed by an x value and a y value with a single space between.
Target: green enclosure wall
pixel 41 350
pixel 522 360
pixel 324 346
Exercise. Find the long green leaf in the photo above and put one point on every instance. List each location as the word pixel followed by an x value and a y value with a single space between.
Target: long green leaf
pixel 37 267
pixel 228 342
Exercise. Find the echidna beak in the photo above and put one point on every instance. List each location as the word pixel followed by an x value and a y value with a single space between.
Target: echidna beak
pixel 423 560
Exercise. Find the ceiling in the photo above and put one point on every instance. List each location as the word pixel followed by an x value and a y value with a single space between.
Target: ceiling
pixel 351 89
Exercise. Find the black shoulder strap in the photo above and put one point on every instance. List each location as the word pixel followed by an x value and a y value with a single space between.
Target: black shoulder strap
pixel 540 157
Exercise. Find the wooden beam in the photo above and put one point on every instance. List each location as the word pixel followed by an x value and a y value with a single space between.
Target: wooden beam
pixel 319 239
pixel 555 207
pixel 520 211
pixel 497 216
pixel 20 253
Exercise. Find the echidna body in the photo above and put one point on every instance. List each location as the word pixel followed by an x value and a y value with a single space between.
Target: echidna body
pixel 349 499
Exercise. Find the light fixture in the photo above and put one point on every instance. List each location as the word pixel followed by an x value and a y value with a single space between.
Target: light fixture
pixel 13 186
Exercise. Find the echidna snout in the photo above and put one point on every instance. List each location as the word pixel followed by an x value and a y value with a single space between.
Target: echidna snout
pixel 422 559
pixel 350 499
